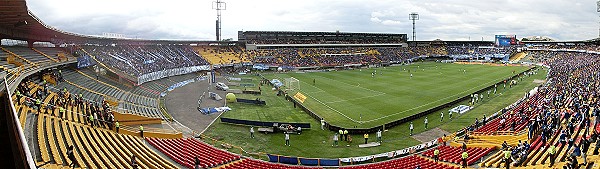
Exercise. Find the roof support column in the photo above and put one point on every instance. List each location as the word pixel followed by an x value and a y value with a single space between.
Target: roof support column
pixel 30 43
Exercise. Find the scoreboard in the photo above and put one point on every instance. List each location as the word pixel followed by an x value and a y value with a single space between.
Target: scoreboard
pixel 506 40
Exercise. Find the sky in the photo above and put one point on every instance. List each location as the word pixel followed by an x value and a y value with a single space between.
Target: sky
pixel 439 19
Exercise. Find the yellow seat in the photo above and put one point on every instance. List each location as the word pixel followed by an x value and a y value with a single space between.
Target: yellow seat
pixel 161 162
pixel 89 146
pixel 42 139
pixel 106 156
pixel 81 147
pixel 68 140
pixel 117 154
pixel 58 159
pixel 116 143
pixel 141 156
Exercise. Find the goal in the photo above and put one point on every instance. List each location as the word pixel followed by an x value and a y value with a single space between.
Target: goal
pixel 292 83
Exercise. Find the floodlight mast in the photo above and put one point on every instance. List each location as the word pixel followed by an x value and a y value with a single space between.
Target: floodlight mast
pixel 598 10
pixel 413 16
pixel 219 5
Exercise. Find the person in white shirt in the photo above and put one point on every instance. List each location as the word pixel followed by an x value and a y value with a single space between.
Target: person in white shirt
pixel 287 139
pixel 426 121
pixel 251 131
pixel 379 136
pixel 322 124
pixel 411 128
pixel 335 140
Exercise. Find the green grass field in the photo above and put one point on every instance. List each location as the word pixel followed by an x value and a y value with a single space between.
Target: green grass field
pixel 355 99
pixel 317 143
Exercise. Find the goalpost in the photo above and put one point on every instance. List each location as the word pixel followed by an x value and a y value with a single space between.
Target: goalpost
pixel 292 83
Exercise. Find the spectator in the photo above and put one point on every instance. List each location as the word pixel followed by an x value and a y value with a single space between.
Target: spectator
pixel 71 156
pixel 436 154
pixel 142 131
pixel 287 139
pixel 117 126
pixel 335 140
pixel 196 163
pixel 379 135
pixel 411 128
pixel 464 157
pixel 134 163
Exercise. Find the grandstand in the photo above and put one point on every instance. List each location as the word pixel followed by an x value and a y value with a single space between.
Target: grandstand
pixel 52 104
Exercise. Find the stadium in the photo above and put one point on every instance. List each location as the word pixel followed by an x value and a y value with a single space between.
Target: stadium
pixel 293 99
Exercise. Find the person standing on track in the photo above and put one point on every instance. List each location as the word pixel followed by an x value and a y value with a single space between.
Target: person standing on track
pixel 287 139
pixel 379 135
pixel 251 131
pixel 411 128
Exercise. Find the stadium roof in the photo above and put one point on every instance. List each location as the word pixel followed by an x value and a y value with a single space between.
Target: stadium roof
pixel 17 22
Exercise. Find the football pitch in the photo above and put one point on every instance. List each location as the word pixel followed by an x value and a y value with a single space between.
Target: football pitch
pixel 366 98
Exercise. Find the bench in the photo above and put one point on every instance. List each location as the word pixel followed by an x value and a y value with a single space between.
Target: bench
pixel 371 144
pixel 265 129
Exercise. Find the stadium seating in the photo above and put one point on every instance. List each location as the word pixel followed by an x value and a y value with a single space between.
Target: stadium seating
pixel 453 154
pixel 28 53
pixel 137 60
pixel 257 164
pixel 184 151
pixel 514 116
pixel 94 147
pixel 406 162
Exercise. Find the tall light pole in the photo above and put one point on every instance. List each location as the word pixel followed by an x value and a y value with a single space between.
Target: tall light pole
pixel 413 16
pixel 219 5
pixel 598 10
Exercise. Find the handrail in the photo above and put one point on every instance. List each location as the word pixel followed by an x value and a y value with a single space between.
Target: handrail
pixel 119 73
pixel 28 156
pixel 20 57
pixel 107 97
pixel 109 85
pixel 44 54
pixel 150 129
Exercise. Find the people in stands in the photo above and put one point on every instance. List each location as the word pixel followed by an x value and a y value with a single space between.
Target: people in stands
pixel 71 156
pixel 464 157
pixel 117 125
pixel 134 163
pixel 436 154
pixel 507 158
pixel 552 152
pixel 572 163
pixel 196 163
pixel 142 131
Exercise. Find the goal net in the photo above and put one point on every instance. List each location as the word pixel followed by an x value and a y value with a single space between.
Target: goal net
pixel 292 83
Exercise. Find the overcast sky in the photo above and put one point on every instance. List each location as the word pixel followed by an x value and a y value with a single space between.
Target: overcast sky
pixel 443 19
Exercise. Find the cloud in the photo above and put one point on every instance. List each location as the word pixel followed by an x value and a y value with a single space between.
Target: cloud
pixel 446 20
pixel 385 18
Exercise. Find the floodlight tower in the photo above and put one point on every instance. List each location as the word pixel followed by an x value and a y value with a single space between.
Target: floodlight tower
pixel 598 10
pixel 219 5
pixel 413 16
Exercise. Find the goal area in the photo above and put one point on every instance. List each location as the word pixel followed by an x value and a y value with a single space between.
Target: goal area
pixel 292 83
